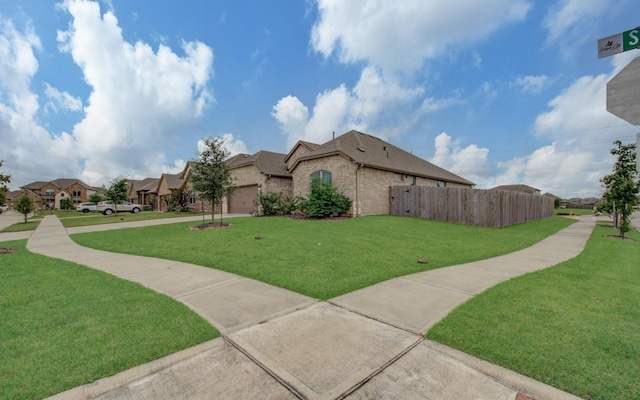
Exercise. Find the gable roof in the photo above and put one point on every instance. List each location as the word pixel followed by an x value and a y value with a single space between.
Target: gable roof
pixel 34 185
pixel 267 162
pixel 61 183
pixel 518 188
pixel 373 152
pixel 174 181
pixel 310 146
pixel 148 185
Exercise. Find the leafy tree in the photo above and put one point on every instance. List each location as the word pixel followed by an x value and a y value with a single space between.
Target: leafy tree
pixel 178 201
pixel 211 177
pixel 95 198
pixel 24 206
pixel 325 201
pixel 621 188
pixel 117 192
pixel 66 204
pixel 4 179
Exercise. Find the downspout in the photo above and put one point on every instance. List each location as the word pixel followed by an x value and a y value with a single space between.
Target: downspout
pixel 357 210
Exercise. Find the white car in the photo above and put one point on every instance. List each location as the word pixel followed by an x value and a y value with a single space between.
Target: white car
pixel 4 207
pixel 86 207
pixel 108 208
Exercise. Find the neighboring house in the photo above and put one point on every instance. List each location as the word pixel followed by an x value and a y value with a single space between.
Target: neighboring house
pixel 52 192
pixel 167 185
pixel 360 166
pixel 264 171
pixel 363 167
pixel 586 203
pixel 556 200
pixel 518 188
pixel 14 196
pixel 144 192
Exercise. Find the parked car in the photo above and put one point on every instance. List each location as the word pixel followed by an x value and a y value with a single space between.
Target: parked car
pixel 108 208
pixel 3 207
pixel 86 207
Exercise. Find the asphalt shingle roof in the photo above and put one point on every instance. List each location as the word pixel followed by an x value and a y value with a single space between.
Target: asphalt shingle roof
pixel 376 153
pixel 268 162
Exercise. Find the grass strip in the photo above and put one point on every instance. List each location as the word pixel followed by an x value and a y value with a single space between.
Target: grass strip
pixel 64 325
pixel 324 259
pixel 72 219
pixel 575 326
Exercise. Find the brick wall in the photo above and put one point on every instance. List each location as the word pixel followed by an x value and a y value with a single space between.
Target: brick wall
pixel 247 175
pixel 299 152
pixel 342 170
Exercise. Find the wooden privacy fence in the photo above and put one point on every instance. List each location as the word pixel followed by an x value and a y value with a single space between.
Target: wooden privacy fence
pixel 490 208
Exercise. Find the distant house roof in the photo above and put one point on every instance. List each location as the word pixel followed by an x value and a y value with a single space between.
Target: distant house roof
pixel 34 185
pixel 62 183
pixel 267 162
pixel 375 153
pixel 553 196
pixel 518 188
pixel 174 181
pixel 147 185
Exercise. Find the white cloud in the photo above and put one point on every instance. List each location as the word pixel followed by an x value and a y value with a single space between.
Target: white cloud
pixel 400 35
pixel 28 149
pixel 376 105
pixel 61 100
pixel 232 145
pixel 140 100
pixel 470 162
pixel 531 84
pixel 393 39
pixel 581 133
pixel 565 21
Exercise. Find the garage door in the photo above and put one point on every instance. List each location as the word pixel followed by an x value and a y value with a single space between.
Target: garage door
pixel 241 200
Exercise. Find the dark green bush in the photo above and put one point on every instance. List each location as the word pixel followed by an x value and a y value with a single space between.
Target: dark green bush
pixel 273 203
pixel 325 201
pixel 269 203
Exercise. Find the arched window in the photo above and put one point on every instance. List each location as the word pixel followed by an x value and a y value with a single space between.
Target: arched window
pixel 323 176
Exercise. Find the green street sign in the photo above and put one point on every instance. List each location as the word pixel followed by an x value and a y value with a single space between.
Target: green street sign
pixel 615 44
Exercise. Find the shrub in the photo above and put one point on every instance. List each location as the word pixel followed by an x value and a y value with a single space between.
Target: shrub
pixel 273 203
pixel 269 203
pixel 325 201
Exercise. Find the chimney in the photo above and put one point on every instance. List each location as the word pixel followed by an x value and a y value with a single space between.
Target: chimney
pixel 334 135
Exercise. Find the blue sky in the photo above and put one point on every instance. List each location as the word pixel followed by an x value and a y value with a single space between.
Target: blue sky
pixel 498 91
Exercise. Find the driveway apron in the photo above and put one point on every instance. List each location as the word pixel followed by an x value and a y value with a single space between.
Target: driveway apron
pixel 278 344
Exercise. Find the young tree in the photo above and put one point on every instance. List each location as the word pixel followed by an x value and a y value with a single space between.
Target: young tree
pixel 117 192
pixel 66 204
pixel 4 179
pixel 211 177
pixel 621 188
pixel 95 198
pixel 24 206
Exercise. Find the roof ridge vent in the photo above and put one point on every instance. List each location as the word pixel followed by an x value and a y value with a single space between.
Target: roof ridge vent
pixel 361 148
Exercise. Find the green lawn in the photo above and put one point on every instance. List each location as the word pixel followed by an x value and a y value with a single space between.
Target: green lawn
pixel 573 211
pixel 64 325
pixel 74 218
pixel 324 259
pixel 575 326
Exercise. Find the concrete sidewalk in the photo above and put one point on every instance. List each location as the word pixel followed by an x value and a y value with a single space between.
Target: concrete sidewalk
pixel 278 344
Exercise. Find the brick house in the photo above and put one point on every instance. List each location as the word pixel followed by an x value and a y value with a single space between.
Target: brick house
pixel 519 188
pixel 263 171
pixel 360 166
pixel 53 192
